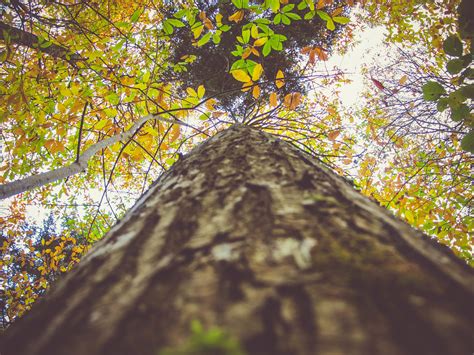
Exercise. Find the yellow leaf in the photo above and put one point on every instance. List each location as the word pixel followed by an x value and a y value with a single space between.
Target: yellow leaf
pixel 257 72
pixel 237 17
pixel 201 91
pixel 197 31
pixel 260 42
pixel 191 92
pixel 256 91
pixel 219 19
pixel 403 80
pixel 254 31
pixel 280 79
pixel 273 99
pixel 240 75
pixel 101 124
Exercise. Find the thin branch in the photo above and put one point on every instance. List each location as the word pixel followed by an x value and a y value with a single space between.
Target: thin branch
pixel 80 165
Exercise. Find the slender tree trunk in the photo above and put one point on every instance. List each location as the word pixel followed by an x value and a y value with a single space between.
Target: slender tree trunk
pixel 253 236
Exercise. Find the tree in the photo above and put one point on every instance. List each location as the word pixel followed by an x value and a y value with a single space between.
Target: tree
pixel 123 88
pixel 263 250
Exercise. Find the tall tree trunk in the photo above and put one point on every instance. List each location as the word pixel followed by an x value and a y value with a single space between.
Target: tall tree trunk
pixel 253 236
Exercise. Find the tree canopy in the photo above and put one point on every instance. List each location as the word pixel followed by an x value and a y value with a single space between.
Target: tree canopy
pixel 98 98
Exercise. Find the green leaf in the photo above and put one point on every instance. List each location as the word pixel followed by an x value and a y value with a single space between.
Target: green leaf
pixel 302 5
pixel 467 91
pixel 323 15
pixel 167 28
pixel 342 20
pixel 135 15
pixel 453 46
pixel 246 36
pixel 467 143
pixel 454 66
pixel 293 16
pixel 288 8
pixel 204 39
pixel 309 15
pixel 285 19
pixel 277 19
pixel 432 91
pixel 460 113
pixel 442 104
pixel 330 25
pixel 175 23
pixel 267 48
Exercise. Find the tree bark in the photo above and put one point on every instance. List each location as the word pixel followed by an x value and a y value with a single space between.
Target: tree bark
pixel 249 234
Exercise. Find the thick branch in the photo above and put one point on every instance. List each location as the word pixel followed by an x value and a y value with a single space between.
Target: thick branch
pixel 28 39
pixel 31 182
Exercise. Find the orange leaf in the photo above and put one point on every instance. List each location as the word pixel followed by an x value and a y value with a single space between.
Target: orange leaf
pixel 237 17
pixel 256 92
pixel 333 135
pixel 273 99
pixel 321 53
pixel 175 131
pixel 336 12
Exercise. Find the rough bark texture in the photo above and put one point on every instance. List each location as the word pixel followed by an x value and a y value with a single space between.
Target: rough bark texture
pixel 251 235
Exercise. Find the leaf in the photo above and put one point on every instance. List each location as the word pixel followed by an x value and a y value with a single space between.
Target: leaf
pixel 260 42
pixel 191 92
pixel 323 15
pixel 341 20
pixel 454 66
pixel 267 48
pixel 197 31
pixel 378 84
pixel 175 23
pixel 453 46
pixel 279 82
pixel 432 91
pixel 204 39
pixel 201 91
pixel 257 72
pixel 101 124
pixel 175 131
pixel 240 75
pixel 459 113
pixel 256 92
pixel 237 17
pixel 333 135
pixel 135 15
pixel 330 25
pixel 467 143
pixel 291 101
pixel 273 99
pixel 403 80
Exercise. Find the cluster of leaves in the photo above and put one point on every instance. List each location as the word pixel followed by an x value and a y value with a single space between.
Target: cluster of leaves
pixel 456 100
pixel 32 258
pixel 254 41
